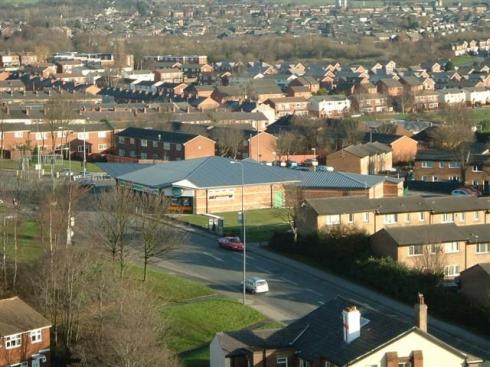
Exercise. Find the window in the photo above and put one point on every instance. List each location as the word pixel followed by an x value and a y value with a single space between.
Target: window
pixel 282 362
pixel 462 217
pixel 475 168
pixel 13 341
pixel 451 247
pixel 476 182
pixel 303 363
pixel 144 143
pixel 101 134
pixel 102 146
pixel 453 178
pixel 333 219
pixel 121 140
pixel 415 250
pixel 407 218
pixel 404 364
pixel 476 216
pixel 178 147
pixel 423 178
pixel 390 218
pixel 166 146
pixel 482 248
pixel 80 148
pixel 83 136
pixel 447 218
pixel 18 134
pixel 351 218
pixel 131 140
pixel 427 164
pixel 454 165
pixel 434 249
pixel 441 164
pixel 451 270
pixel 36 336
pixel 155 144
pixel 121 152
pixel 132 153
pixel 366 217
pixel 421 216
pixel 435 178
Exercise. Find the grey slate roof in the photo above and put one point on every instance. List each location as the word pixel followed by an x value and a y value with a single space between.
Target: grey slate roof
pixel 367 149
pixel 419 235
pixel 353 204
pixel 119 169
pixel 477 233
pixel 16 316
pixel 158 135
pixel 209 172
pixel 455 204
pixel 339 180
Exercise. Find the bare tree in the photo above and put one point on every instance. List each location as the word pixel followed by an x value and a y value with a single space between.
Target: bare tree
pixel 293 198
pixel 59 113
pixel 431 260
pixel 228 140
pixel 158 237
pixel 286 144
pixel 115 210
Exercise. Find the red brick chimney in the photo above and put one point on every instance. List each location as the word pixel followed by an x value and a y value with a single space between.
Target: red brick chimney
pixel 421 313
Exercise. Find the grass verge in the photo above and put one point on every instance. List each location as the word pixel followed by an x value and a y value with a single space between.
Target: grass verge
pixel 261 223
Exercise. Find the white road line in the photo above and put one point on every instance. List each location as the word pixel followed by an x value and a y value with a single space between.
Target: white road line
pixel 321 303
pixel 213 256
pixel 288 281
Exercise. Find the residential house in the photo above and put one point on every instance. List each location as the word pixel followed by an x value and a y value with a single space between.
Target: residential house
pixel 261 147
pixel 12 85
pixel 306 81
pixel 390 87
pixel 403 148
pixel 477 96
pixel 369 103
pixel 285 106
pixel 436 247
pixel 424 100
pixel 169 75
pixel 329 106
pixel 475 281
pixel 8 60
pixel 299 91
pixel 148 144
pixel 452 97
pixel 223 94
pixel 24 335
pixel 368 158
pixel 341 333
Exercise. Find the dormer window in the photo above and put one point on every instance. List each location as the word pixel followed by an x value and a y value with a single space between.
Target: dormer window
pixel 13 341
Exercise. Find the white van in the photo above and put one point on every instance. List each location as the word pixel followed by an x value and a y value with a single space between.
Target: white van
pixel 256 285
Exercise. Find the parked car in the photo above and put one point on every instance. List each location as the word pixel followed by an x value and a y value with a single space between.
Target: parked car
pixel 256 285
pixel 231 243
pixel 466 191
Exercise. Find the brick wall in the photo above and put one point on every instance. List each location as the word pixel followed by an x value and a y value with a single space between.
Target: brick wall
pixel 26 350
pixel 199 147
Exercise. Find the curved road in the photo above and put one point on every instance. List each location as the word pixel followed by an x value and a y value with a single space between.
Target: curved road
pixel 295 288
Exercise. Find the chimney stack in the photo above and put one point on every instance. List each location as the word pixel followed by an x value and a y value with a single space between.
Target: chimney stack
pixel 351 318
pixel 421 313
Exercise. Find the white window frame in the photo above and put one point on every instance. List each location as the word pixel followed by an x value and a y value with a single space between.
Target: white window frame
pixel 144 142
pixel 451 247
pixel 476 216
pixel 13 341
pixel 178 147
pixel 390 218
pixel 102 146
pixel 282 361
pixel 447 218
pixel 143 155
pixel 332 219
pixel 166 146
pixel 441 164
pixel 412 248
pixel 453 164
pixel 427 164
pixel 83 135
pixel 462 217
pixel 422 217
pixel 451 270
pixel 407 217
pixel 350 218
pixel 131 140
pixel 18 134
pixel 36 336
pixel 121 140
pixel 482 248
pixel 102 134
pixel 366 217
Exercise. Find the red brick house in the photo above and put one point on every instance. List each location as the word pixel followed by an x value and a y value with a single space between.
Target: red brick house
pixel 24 335
pixel 142 144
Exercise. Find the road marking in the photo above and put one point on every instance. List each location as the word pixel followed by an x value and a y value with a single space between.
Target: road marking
pixel 314 292
pixel 213 256
pixel 289 281
pixel 321 303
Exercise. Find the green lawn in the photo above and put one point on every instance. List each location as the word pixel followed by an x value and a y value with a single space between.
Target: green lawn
pixel 260 223
pixel 29 244
pixel 194 313
pixel 76 166
pixel 464 60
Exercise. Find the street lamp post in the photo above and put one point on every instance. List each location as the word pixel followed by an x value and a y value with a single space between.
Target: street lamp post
pixel 244 234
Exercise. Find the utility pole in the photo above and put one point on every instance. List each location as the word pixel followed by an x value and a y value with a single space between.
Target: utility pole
pixel 84 154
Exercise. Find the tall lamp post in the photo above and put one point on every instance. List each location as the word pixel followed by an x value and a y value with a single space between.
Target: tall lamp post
pixel 244 234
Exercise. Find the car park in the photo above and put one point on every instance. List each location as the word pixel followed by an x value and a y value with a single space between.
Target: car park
pixel 231 243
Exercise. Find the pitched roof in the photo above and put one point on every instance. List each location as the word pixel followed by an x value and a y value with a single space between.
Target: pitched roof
pixel 158 135
pixel 420 235
pixel 367 149
pixel 208 172
pixel 386 139
pixel 477 233
pixel 16 316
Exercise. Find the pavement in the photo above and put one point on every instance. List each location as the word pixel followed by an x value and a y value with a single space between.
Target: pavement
pixel 295 288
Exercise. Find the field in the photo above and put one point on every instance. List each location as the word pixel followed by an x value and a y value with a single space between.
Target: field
pixel 76 166
pixel 260 223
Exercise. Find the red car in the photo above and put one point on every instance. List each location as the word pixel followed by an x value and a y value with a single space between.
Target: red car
pixel 231 243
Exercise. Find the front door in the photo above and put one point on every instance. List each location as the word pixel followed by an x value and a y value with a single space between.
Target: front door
pixel 36 363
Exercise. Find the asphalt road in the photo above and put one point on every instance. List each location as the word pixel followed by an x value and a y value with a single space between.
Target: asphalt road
pixel 295 289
